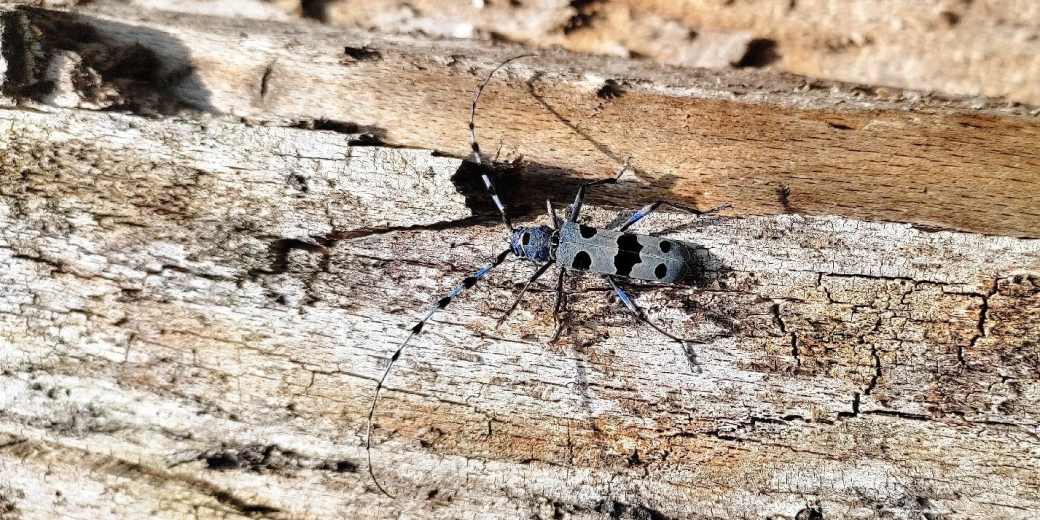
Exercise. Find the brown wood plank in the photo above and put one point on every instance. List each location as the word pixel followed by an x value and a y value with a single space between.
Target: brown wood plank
pixel 695 136
pixel 978 47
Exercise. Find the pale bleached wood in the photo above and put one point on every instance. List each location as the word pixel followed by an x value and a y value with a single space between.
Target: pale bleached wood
pixel 701 137
pixel 173 346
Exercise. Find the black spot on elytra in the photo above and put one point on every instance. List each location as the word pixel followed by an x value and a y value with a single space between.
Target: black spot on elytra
pixel 629 242
pixel 665 246
pixel 628 254
pixel 586 231
pixel 525 238
pixel 661 271
pixel 582 261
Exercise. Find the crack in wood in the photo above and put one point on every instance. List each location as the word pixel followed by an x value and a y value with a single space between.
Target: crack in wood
pixel 43 451
pixel 981 325
pixel 265 79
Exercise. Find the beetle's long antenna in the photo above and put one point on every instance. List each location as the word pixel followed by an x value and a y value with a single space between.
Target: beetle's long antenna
pixel 467 282
pixel 475 156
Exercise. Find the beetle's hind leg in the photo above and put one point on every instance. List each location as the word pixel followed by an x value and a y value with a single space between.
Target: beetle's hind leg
pixel 691 356
pixel 559 306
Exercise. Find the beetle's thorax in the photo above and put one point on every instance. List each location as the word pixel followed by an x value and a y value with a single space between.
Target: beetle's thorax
pixel 533 243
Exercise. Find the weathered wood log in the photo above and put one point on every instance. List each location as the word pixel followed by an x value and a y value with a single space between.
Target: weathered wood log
pixel 193 309
pixel 193 315
pixel 762 142
pixel 979 47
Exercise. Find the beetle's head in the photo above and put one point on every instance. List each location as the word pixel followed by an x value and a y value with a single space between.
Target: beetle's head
pixel 532 243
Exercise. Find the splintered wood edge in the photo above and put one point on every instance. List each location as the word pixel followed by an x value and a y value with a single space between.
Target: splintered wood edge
pixel 928 49
pixel 190 330
pixel 763 143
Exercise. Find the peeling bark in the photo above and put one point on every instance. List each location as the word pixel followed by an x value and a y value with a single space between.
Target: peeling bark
pixel 980 47
pixel 766 143
pixel 186 331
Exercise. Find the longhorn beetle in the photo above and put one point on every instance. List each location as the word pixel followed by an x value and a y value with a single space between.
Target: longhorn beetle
pixel 613 253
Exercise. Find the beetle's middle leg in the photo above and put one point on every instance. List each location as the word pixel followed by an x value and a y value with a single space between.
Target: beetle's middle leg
pixel 579 199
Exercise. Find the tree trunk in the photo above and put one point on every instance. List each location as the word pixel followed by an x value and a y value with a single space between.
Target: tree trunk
pixel 194 308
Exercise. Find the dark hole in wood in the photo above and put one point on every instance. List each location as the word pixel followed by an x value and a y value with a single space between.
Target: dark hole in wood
pixel 760 53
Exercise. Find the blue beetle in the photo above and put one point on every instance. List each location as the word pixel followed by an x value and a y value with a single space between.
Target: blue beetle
pixel 612 252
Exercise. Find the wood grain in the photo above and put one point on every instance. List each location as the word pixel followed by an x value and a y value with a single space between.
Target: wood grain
pixel 764 143
pixel 187 331
pixel 980 47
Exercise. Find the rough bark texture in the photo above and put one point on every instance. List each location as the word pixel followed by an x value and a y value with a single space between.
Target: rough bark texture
pixel 193 309
pixel 193 316
pixel 967 47
pixel 980 47
pixel 698 137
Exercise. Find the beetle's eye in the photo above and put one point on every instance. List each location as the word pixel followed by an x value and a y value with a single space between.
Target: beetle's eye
pixel 525 238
